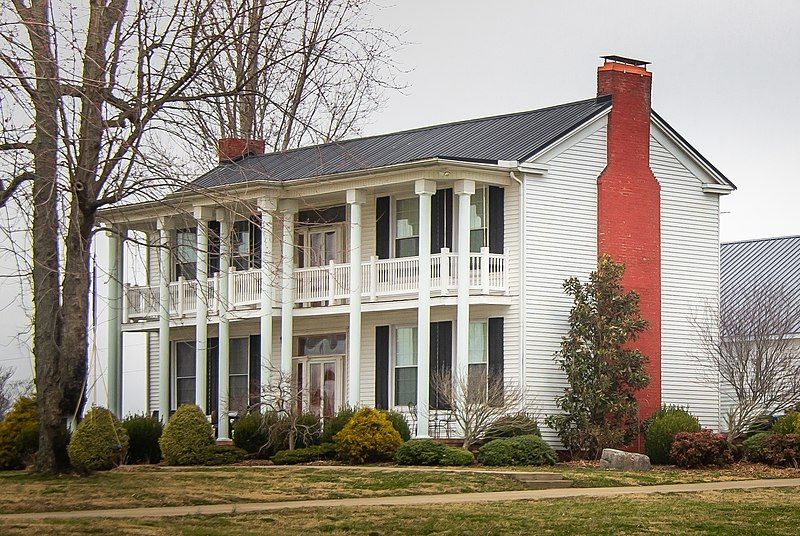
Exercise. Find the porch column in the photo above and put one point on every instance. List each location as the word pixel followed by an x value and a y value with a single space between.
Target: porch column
pixel 288 209
pixel 425 190
pixel 223 424
pixel 267 207
pixel 163 320
pixel 203 215
pixel 115 321
pixel 355 198
pixel 464 190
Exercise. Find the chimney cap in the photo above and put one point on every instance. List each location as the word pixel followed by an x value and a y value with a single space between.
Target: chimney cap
pixel 627 61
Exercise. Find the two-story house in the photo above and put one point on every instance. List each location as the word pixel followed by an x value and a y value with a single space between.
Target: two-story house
pixel 357 268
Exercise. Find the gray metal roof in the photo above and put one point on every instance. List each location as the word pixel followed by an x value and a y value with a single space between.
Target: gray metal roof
pixel 504 137
pixel 770 262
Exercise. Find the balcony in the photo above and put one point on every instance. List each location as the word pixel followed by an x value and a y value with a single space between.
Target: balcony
pixel 382 279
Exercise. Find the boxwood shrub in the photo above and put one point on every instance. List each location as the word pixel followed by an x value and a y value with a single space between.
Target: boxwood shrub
pixel 753 447
pixel 787 424
pixel 454 456
pixel 19 434
pixel 661 429
pixel 700 449
pixel 99 442
pixel 367 437
pixel 222 454
pixel 420 452
pixel 520 450
pixel 324 451
pixel 143 435
pixel 250 432
pixel 513 425
pixel 187 437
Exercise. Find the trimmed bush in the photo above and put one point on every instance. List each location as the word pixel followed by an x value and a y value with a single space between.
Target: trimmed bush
pixel 513 425
pixel 250 432
pixel 367 437
pixel 454 456
pixel 19 434
pixel 782 450
pixel 325 451
pixel 700 449
pixel 661 430
pixel 754 447
pixel 787 424
pixel 520 450
pixel 420 452
pixel 400 424
pixel 99 443
pixel 186 437
pixel 222 455
pixel 143 435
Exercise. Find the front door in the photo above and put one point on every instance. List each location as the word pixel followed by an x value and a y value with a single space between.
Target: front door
pixel 319 374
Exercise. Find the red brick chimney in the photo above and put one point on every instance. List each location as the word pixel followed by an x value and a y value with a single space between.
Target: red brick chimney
pixel 233 149
pixel 629 205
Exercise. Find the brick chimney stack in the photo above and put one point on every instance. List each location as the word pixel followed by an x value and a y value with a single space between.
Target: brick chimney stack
pixel 629 205
pixel 234 149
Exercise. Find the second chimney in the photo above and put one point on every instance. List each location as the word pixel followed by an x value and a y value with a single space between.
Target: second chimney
pixel 234 149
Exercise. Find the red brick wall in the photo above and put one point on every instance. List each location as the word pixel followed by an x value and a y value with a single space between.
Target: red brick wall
pixel 629 208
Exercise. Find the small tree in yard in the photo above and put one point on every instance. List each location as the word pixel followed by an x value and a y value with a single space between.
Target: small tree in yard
pixel 604 373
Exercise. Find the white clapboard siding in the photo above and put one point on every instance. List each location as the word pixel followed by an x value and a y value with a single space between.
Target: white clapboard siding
pixel 689 285
pixel 152 337
pixel 560 242
pixel 512 346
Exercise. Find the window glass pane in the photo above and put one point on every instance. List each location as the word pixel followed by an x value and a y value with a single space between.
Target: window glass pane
pixel 240 246
pixel 407 247
pixel 406 347
pixel 185 359
pixel 329 344
pixel 186 254
pixel 238 393
pixel 477 382
pixel 477 212
pixel 239 354
pixel 184 391
pixel 407 218
pixel 476 240
pixel 329 389
pixel 405 386
pixel 477 342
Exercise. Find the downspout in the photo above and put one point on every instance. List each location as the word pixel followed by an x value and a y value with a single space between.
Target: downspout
pixel 522 368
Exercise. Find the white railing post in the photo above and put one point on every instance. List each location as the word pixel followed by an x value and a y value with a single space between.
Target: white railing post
pixel 126 303
pixel 331 283
pixel 181 291
pixel 444 272
pixel 231 287
pixel 373 277
pixel 214 302
pixel 485 269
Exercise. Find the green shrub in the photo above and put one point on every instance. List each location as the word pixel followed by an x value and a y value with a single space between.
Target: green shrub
pixel 520 450
pixel 782 450
pixel 250 432
pixel 186 437
pixel 19 434
pixel 143 435
pixel 754 447
pixel 99 443
pixel 700 449
pixel 454 456
pixel 420 452
pixel 334 425
pixel 787 424
pixel 513 425
pixel 367 437
pixel 661 429
pixel 325 451
pixel 222 454
pixel 308 430
pixel 400 424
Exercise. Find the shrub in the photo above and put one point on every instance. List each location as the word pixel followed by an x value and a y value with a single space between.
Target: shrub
pixel 325 451
pixel 520 450
pixel 335 424
pixel 420 452
pixel 699 449
pixel 250 432
pixel 787 424
pixel 367 437
pixel 754 447
pixel 143 435
pixel 222 454
pixel 454 456
pixel 307 426
pixel 400 424
pixel 19 434
pixel 513 425
pixel 782 450
pixel 186 437
pixel 661 430
pixel 99 443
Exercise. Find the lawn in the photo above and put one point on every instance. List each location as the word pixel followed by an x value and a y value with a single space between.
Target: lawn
pixel 751 512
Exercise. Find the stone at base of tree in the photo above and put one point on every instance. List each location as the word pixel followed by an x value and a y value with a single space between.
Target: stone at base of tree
pixel 624 461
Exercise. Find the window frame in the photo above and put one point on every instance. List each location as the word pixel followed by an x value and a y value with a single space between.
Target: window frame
pixel 394 366
pixel 246 374
pixel 174 373
pixel 177 264
pixel 485 362
pixel 483 191
pixel 393 214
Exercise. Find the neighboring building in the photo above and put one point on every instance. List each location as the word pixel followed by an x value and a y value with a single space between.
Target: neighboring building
pixel 501 209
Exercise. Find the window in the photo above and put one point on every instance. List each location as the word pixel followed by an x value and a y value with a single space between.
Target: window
pixel 241 246
pixel 186 253
pixel 479 220
pixel 238 378
pixel 405 366
pixel 406 225
pixel 184 373
pixel 321 345
pixel 478 370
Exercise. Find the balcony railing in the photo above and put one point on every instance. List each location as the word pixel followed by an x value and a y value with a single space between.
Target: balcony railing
pixel 325 285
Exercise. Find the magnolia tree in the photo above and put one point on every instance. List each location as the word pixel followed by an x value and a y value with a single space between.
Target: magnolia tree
pixel 604 372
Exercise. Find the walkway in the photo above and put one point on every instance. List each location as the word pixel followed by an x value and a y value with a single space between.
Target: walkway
pixel 408 500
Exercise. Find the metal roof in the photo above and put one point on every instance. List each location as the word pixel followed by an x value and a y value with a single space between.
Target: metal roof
pixel 514 136
pixel 750 264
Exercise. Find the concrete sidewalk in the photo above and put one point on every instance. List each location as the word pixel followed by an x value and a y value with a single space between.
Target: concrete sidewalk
pixel 408 500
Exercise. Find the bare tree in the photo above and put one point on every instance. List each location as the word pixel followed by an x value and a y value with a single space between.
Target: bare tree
pixel 282 402
pixel 755 353
pixel 476 401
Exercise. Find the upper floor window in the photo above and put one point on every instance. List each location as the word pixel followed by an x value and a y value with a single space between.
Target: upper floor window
pixel 479 220
pixel 405 366
pixel 406 225
pixel 242 245
pixel 186 253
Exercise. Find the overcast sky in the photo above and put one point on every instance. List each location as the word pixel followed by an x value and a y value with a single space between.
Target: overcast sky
pixel 726 75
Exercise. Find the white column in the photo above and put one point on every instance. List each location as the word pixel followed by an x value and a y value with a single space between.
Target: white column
pixel 114 322
pixel 464 190
pixel 203 215
pixel 267 207
pixel 223 425
pixel 163 320
pixel 424 189
pixel 355 198
pixel 288 208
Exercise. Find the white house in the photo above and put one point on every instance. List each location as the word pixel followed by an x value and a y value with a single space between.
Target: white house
pixel 498 211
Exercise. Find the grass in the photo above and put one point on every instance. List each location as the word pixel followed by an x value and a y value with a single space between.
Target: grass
pixel 751 512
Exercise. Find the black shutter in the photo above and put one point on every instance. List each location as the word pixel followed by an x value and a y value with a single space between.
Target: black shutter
pixel 382 227
pixel 496 219
pixel 255 240
pixel 496 354
pixel 382 367
pixel 301 250
pixel 441 358
pixel 212 380
pixel 213 247
pixel 442 220
pixel 255 370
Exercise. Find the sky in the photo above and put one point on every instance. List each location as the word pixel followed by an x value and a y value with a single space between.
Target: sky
pixel 726 75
